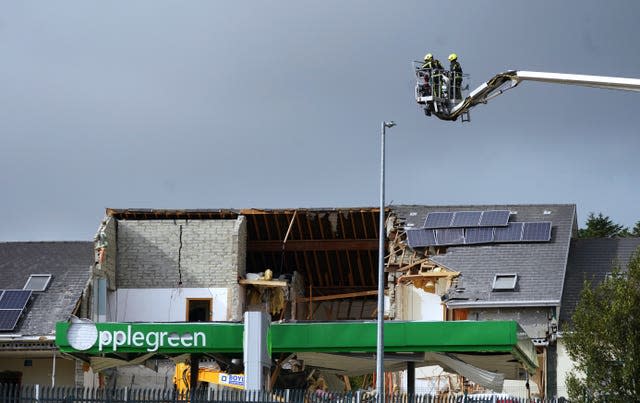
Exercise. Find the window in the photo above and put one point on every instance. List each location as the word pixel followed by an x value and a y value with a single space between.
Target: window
pixel 505 282
pixel 198 309
pixel 37 282
pixel 614 275
pixel 460 314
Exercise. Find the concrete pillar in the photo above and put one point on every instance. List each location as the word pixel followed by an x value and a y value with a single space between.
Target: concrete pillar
pixel 257 357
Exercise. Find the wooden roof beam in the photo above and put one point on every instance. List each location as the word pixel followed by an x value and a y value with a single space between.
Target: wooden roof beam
pixel 314 245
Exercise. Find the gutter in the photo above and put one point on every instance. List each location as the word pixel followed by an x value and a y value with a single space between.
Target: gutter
pixel 18 337
pixel 501 304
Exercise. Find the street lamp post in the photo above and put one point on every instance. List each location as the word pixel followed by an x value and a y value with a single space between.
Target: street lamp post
pixel 380 324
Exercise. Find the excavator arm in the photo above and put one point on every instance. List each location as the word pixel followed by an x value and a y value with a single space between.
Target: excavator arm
pixel 182 374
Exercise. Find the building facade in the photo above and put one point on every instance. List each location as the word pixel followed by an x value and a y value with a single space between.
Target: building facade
pixel 41 283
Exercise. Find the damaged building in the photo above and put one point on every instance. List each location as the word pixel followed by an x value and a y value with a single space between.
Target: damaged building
pixel 443 263
pixel 487 262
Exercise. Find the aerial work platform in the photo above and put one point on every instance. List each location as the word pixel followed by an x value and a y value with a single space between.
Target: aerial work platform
pixel 446 108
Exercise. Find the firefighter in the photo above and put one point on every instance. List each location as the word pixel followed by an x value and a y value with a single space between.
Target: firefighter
pixel 456 77
pixel 434 68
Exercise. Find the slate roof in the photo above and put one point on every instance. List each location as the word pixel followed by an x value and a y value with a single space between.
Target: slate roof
pixel 540 266
pixel 591 259
pixel 69 264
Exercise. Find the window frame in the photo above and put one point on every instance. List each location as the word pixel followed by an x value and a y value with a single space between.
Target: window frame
pixel 501 276
pixel 187 308
pixel 46 284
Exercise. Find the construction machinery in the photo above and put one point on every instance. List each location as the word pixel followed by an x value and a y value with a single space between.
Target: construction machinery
pixel 436 95
pixel 182 376
pixel 445 107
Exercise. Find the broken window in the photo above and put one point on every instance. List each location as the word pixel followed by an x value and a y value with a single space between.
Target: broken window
pixel 502 282
pixel 198 309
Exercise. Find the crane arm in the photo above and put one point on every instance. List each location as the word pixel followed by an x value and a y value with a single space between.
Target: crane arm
pixel 611 83
pixel 504 81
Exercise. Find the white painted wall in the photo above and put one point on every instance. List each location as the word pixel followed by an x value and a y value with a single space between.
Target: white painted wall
pixel 418 304
pixel 430 379
pixel 163 304
pixel 563 367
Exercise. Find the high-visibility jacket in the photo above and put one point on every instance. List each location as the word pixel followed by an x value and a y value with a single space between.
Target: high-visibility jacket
pixel 456 69
pixel 434 65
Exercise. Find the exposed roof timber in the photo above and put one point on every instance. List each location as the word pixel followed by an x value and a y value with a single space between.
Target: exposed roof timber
pixel 146 214
pixel 338 296
pixel 142 214
pixel 331 248
pixel 313 245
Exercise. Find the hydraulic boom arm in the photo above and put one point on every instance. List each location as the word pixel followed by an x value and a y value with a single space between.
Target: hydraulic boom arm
pixel 507 80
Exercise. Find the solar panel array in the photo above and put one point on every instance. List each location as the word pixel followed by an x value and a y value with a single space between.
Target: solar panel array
pixel 417 238
pixel 512 232
pixel 466 219
pixel 536 231
pixel 478 235
pixel 12 304
pixel 450 236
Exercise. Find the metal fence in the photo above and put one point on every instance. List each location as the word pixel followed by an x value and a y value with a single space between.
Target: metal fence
pixel 44 394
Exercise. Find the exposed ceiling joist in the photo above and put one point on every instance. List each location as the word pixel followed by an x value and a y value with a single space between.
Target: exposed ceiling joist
pixel 313 245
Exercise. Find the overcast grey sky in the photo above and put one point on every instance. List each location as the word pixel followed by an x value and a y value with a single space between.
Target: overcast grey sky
pixel 234 104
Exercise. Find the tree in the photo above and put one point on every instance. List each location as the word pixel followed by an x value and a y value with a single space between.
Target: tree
pixel 601 227
pixel 633 233
pixel 603 339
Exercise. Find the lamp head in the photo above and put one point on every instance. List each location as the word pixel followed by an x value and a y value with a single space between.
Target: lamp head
pixel 389 124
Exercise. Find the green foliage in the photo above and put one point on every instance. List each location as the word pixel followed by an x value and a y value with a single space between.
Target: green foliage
pixel 602 227
pixel 604 341
pixel 359 382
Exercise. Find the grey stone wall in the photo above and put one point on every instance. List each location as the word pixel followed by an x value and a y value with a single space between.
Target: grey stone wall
pixel 190 253
pixel 106 238
pixel 534 321
pixel 236 294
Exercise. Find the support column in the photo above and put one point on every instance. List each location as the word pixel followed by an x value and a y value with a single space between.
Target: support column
pixel 257 357
pixel 411 380
pixel 193 376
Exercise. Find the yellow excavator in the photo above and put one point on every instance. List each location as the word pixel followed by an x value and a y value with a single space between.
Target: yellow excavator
pixel 182 375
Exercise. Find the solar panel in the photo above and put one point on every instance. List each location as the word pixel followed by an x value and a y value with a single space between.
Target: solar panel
pixel 450 236
pixel 14 299
pixel 9 319
pixel 494 218
pixel 511 233
pixel 537 231
pixel 440 219
pixel 479 235
pixel 418 238
pixel 466 218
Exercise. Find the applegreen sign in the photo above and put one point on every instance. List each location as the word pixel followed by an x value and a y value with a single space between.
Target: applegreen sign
pixel 87 337
pixel 95 338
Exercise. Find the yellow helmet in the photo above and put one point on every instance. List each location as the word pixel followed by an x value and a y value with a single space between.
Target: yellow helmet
pixel 452 57
pixel 428 56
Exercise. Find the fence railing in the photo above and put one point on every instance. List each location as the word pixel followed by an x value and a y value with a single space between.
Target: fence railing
pixel 43 394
